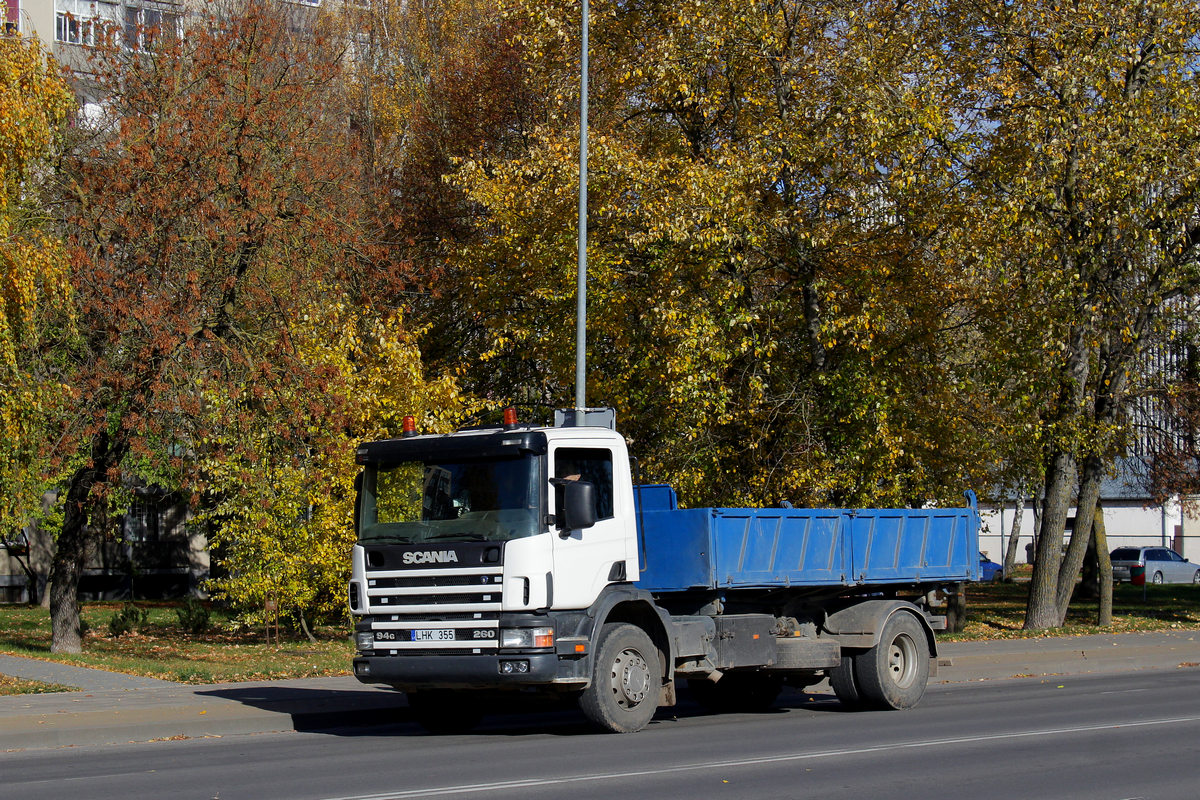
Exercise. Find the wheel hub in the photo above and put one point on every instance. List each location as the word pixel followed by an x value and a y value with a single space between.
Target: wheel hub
pixel 901 665
pixel 631 678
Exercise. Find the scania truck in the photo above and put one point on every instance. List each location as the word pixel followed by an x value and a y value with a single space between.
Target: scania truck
pixel 525 560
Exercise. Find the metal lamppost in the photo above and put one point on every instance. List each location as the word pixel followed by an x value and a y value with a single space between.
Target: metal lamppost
pixel 581 290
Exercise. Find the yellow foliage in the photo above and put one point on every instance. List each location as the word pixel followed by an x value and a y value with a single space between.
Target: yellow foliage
pixel 282 470
pixel 760 180
pixel 34 104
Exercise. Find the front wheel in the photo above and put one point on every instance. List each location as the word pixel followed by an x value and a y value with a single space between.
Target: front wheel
pixel 1196 577
pixel 626 680
pixel 893 674
pixel 1158 578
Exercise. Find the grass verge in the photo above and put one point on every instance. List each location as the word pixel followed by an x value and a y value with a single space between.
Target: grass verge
pixel 10 686
pixel 161 648
pixel 997 611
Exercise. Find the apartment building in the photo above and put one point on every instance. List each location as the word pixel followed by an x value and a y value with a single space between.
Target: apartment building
pixel 63 23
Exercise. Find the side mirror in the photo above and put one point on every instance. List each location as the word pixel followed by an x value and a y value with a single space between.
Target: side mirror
pixel 578 509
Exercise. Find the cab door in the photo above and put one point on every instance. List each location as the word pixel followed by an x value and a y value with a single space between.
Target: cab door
pixel 587 560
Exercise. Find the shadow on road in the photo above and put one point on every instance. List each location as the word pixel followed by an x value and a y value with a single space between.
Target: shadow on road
pixel 377 713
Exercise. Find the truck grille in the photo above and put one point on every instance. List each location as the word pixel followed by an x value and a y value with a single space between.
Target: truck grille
pixel 435 611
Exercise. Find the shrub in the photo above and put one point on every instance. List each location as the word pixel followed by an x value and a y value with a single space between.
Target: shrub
pixel 193 616
pixel 130 619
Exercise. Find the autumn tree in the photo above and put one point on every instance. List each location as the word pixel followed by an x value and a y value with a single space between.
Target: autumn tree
pixel 279 472
pixel 436 82
pixel 212 206
pixel 34 107
pixel 1086 203
pixel 770 310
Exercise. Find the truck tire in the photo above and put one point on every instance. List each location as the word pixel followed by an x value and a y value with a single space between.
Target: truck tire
pixel 893 674
pixel 441 711
pixel 844 684
pixel 626 680
pixel 738 692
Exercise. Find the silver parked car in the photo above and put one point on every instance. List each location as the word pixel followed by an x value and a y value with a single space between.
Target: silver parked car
pixel 1162 564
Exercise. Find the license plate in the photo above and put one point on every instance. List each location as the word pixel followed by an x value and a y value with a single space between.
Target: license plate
pixel 438 635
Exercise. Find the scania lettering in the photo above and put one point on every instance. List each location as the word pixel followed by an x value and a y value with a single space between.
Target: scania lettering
pixel 440 557
pixel 525 559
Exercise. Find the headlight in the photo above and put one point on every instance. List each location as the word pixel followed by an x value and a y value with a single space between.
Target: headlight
pixel 517 638
pixel 365 640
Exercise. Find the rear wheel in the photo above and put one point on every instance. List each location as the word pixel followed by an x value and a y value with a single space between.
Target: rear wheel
pixel 738 692
pixel 445 711
pixel 626 680
pixel 893 674
pixel 841 678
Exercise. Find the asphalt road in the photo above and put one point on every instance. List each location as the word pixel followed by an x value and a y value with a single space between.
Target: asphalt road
pixel 1098 737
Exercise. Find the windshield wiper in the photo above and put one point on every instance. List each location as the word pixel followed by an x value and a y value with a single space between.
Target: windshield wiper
pixel 465 536
pixel 394 539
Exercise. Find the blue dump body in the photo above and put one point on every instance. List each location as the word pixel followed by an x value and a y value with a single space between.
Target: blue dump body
pixel 744 548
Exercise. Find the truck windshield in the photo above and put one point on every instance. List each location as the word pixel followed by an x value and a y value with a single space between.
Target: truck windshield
pixel 471 500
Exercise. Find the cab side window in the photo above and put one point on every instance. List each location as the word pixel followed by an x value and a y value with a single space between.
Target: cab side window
pixel 589 464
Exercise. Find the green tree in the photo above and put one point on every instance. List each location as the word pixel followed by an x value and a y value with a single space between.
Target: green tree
pixel 1085 202
pixel 279 469
pixel 771 309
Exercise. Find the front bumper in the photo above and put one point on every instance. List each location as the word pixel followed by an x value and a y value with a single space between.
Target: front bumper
pixel 476 671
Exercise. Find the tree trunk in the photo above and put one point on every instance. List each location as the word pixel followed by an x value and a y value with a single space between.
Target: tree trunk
pixel 1037 501
pixel 1042 610
pixel 25 562
pixel 70 552
pixel 65 623
pixel 31 580
pixel 1088 588
pixel 307 632
pixel 1014 537
pixel 1103 569
pixel 1085 511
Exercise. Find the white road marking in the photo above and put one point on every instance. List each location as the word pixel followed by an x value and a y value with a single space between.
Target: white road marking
pixel 745 762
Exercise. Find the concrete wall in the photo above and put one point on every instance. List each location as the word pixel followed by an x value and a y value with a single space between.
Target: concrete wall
pixel 36 18
pixel 1127 522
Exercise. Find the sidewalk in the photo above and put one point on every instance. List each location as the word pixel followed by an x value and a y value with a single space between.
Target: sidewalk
pixel 1066 655
pixel 110 708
